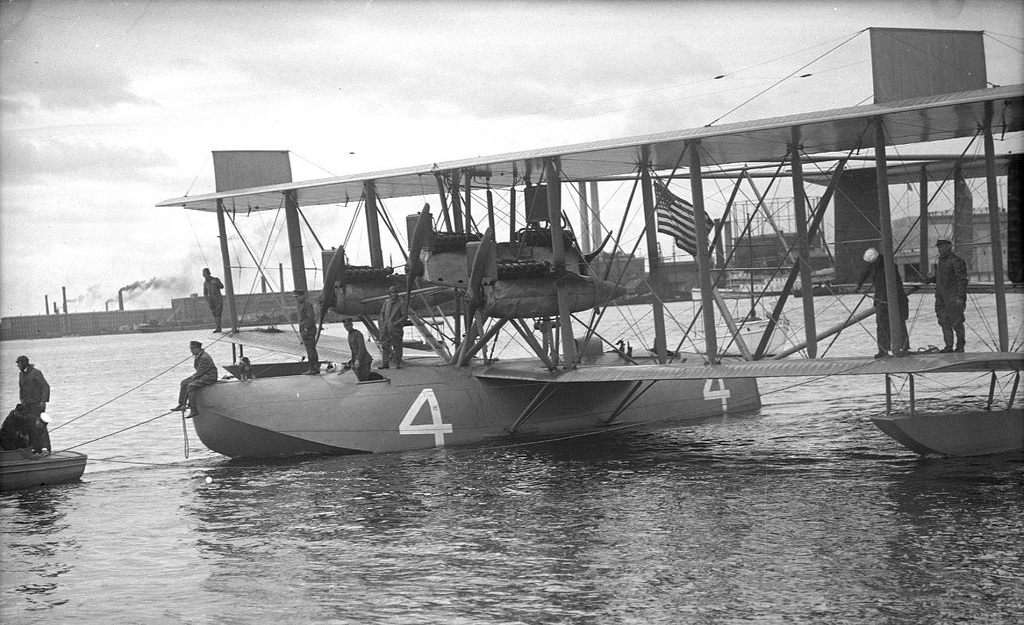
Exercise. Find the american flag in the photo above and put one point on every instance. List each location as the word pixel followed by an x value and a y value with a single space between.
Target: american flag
pixel 676 219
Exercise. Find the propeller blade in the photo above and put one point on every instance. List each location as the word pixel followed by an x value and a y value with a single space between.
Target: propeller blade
pixel 484 257
pixel 334 274
pixel 414 269
pixel 590 257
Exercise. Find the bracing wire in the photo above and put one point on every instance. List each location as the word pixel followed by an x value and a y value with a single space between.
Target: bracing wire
pixel 790 75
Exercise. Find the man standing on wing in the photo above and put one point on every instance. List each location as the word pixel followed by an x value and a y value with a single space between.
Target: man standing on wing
pixel 211 291
pixel 307 331
pixel 392 329
pixel 950 281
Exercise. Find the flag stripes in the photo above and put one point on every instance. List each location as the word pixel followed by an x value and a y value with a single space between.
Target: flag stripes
pixel 676 219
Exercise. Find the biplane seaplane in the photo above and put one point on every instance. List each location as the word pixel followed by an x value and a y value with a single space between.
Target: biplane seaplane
pixel 465 285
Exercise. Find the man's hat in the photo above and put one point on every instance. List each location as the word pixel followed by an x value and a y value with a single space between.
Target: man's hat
pixel 21 359
pixel 298 292
pixel 943 242
pixel 194 344
pixel 870 255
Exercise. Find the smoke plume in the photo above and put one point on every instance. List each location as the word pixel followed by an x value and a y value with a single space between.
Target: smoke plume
pixel 141 286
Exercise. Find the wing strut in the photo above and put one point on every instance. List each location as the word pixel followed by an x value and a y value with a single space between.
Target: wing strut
pixel 627 401
pixel 538 400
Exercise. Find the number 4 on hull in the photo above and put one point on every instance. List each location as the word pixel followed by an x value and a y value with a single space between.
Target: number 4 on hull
pixel 436 426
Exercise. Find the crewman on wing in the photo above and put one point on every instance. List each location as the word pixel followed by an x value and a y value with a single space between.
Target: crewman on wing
pixel 205 375
pixel 34 393
pixel 950 279
pixel 307 331
pixel 875 270
pixel 392 329
pixel 361 359
pixel 211 291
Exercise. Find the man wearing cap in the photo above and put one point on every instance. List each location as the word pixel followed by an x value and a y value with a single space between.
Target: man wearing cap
pixel 211 291
pixel 392 329
pixel 307 331
pixel 205 375
pixel 875 270
pixel 361 359
pixel 950 279
pixel 34 393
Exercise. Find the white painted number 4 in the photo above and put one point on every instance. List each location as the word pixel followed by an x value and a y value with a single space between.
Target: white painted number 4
pixel 722 393
pixel 435 427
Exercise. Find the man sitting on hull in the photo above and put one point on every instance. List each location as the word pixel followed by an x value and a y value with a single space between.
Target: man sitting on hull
pixel 205 375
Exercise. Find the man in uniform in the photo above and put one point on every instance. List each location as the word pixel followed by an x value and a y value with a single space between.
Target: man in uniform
pixel 211 291
pixel 361 359
pixel 205 375
pixel 307 331
pixel 34 392
pixel 392 329
pixel 875 271
pixel 950 281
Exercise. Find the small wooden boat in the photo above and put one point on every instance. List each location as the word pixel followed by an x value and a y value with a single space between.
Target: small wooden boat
pixel 21 468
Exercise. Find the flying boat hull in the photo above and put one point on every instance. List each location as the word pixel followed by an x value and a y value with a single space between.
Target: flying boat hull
pixel 424 406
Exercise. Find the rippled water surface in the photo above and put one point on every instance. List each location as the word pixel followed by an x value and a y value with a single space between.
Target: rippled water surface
pixel 803 512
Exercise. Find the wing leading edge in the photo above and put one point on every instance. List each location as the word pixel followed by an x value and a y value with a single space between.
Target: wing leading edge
pixel 917 363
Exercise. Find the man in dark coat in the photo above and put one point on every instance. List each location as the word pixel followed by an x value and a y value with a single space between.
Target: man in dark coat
pixel 361 359
pixel 392 329
pixel 950 279
pixel 205 375
pixel 15 433
pixel 875 271
pixel 35 392
pixel 307 331
pixel 211 291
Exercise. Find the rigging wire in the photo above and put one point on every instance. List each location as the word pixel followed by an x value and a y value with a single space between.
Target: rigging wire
pixel 129 391
pixel 777 83
pixel 688 84
pixel 198 173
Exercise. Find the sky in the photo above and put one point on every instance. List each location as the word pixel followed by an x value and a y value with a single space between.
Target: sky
pixel 107 108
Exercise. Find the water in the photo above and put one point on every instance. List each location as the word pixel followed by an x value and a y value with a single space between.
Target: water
pixel 803 512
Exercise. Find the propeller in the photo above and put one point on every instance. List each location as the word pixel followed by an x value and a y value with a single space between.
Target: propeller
pixel 590 257
pixel 334 274
pixel 414 268
pixel 475 292
pixel 484 257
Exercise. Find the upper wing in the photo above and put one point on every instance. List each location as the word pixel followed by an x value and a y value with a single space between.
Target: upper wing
pixel 910 121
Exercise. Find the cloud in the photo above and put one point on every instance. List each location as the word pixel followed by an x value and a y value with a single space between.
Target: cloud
pixel 40 160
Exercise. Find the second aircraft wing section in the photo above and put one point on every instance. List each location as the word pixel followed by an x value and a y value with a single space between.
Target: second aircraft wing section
pixel 916 363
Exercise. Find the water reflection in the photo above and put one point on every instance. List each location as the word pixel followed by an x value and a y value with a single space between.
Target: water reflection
pixel 38 553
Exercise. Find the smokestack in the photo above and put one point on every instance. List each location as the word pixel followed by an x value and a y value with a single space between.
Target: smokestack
pixel 280 269
pixel 120 300
pixel 46 304
pixel 64 293
pixel 55 311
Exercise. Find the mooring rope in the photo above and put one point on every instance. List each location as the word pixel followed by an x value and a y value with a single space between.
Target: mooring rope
pixel 99 438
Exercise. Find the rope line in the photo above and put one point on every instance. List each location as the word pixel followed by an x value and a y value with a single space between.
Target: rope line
pixel 121 430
